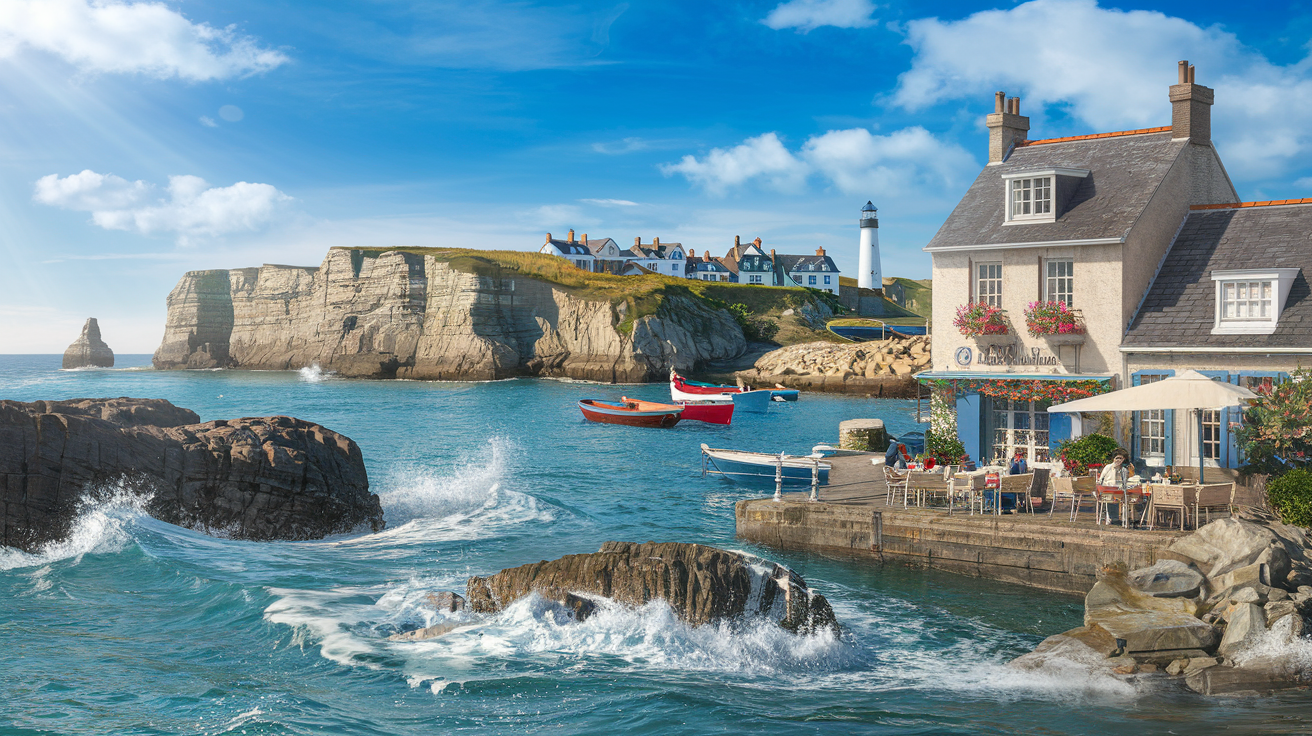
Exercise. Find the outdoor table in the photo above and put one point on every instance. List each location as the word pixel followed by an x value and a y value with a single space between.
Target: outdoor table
pixel 1143 492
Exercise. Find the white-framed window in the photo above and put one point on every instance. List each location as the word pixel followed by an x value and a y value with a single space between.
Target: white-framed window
pixel 1059 284
pixel 1249 301
pixel 1211 435
pixel 810 281
pixel 988 283
pixel 1152 426
pixel 1020 425
pixel 1031 198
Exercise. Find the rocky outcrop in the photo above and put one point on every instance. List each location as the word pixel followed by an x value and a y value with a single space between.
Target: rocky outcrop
pixel 409 315
pixel 881 369
pixel 703 584
pixel 88 350
pixel 1226 612
pixel 255 478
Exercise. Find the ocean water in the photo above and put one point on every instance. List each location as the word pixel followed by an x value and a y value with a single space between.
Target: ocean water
pixel 133 626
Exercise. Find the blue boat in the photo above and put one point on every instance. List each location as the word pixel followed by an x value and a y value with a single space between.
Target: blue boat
pixel 760 467
pixel 779 393
pixel 865 333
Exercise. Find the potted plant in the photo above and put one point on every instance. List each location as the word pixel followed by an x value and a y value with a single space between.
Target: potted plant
pixel 979 318
pixel 1055 321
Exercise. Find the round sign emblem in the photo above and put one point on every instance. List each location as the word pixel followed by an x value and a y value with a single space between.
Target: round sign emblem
pixel 963 355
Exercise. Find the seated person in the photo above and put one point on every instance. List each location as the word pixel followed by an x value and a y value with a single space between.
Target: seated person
pixel 1116 475
pixel 1018 464
pixel 893 458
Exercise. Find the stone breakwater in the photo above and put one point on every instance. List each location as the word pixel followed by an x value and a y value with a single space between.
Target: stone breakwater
pixel 1227 611
pixel 407 315
pixel 882 369
pixel 256 478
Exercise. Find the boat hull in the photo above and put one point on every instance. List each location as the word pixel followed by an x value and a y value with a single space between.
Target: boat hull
pixel 610 414
pixel 760 467
pixel 784 394
pixel 756 401
pixel 712 412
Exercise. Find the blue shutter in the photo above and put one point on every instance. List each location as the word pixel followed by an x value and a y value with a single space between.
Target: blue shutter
pixel 1134 430
pixel 1225 459
pixel 1168 440
pixel 968 417
pixel 1059 430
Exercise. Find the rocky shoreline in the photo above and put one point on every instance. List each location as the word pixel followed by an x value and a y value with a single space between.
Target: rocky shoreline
pixel 882 369
pixel 1222 613
pixel 252 478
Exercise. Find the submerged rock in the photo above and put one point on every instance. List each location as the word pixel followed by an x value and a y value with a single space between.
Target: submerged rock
pixel 703 584
pixel 253 478
pixel 88 350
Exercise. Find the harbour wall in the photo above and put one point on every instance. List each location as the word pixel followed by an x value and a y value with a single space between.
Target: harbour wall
pixel 1026 549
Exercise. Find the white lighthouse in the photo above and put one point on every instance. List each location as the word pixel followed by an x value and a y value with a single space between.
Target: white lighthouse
pixel 870 276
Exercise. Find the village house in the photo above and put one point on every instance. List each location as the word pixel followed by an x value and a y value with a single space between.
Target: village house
pixel 663 258
pixel 814 272
pixel 597 256
pixel 1141 262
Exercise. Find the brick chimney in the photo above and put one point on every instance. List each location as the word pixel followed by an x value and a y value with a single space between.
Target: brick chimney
pixel 638 241
pixel 585 239
pixel 571 235
pixel 548 239
pixel 819 251
pixel 1006 125
pixel 772 254
pixel 1191 114
pixel 757 242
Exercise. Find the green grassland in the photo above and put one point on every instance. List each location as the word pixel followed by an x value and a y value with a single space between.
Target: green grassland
pixel 644 294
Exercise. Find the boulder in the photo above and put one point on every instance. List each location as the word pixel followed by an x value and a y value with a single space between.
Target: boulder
pixel 88 350
pixel 253 478
pixel 446 601
pixel 1235 681
pixel 429 632
pixel 1245 626
pixel 702 584
pixel 1168 579
pixel 1145 622
pixel 1224 545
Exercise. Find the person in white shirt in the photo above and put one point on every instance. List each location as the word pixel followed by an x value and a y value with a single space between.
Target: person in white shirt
pixel 1116 474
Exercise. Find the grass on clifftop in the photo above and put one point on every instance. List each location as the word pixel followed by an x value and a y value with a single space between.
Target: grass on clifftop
pixel 644 294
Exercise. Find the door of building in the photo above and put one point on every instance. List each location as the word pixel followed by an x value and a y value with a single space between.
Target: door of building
pixel 1020 425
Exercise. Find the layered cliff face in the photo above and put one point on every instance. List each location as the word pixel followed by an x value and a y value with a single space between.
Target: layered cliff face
pixel 408 315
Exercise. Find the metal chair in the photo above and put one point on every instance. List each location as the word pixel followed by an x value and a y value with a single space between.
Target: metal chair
pixel 896 482
pixel 1076 490
pixel 1214 496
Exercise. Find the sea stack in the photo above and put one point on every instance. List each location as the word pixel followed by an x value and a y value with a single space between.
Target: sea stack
pixel 88 349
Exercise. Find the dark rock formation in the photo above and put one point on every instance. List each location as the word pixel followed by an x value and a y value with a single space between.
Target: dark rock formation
pixel 702 584
pixel 88 349
pixel 256 478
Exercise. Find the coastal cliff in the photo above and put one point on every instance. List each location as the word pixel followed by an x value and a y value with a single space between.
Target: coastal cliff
pixel 409 314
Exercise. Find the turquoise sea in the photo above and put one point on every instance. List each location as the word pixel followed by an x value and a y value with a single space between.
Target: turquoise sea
pixel 133 626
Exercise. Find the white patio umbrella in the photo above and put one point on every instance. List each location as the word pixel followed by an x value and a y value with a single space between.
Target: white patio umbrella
pixel 1189 390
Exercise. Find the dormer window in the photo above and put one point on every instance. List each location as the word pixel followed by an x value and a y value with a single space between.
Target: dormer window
pixel 1031 197
pixel 1038 196
pixel 1249 301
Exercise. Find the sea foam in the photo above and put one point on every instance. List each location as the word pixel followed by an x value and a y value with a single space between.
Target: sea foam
pixel 102 526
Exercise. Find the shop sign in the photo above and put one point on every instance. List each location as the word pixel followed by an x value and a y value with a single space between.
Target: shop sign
pixel 1004 355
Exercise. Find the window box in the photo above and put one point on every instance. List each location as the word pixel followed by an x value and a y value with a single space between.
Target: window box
pixel 1055 321
pixel 980 319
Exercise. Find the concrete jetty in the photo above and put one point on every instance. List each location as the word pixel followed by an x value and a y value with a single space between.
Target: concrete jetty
pixel 853 519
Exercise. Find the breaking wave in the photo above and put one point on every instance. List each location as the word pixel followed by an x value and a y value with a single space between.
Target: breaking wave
pixel 103 525
pixel 312 374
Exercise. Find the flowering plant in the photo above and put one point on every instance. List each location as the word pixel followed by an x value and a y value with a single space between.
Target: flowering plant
pixel 980 318
pixel 1026 389
pixel 1052 318
pixel 1276 433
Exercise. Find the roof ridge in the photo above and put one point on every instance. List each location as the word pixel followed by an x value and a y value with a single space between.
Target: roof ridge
pixel 1239 205
pixel 1117 134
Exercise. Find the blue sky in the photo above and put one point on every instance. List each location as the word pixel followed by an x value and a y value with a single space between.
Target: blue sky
pixel 144 139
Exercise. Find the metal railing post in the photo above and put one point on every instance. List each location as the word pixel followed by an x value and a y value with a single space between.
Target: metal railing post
pixel 815 480
pixel 779 478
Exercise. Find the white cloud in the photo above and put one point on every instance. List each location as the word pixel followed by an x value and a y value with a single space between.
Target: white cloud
pixel 761 158
pixel 231 113
pixel 808 15
pixel 130 37
pixel 208 122
pixel 615 148
pixel 610 202
pixel 192 207
pixel 1109 69
pixel 855 161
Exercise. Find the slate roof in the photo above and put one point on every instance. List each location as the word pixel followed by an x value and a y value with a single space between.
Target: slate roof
pixel 1178 310
pixel 572 249
pixel 1124 171
pixel 800 263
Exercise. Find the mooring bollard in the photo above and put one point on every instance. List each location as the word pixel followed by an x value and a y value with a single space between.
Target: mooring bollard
pixel 815 479
pixel 779 478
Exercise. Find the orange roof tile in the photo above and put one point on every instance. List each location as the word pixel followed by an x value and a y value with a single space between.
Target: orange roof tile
pixel 1239 205
pixel 1141 131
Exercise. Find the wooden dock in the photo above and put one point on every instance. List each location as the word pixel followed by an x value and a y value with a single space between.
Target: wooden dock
pixel 853 519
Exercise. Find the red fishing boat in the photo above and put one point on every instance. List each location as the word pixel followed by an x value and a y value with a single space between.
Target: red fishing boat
pixel 713 412
pixel 631 412
pixel 683 389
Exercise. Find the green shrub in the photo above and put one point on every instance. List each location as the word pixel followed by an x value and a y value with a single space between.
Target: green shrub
pixel 755 329
pixel 1274 435
pixel 1091 449
pixel 945 448
pixel 1291 497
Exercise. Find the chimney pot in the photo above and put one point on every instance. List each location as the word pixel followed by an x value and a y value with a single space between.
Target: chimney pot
pixel 1191 114
pixel 757 242
pixel 571 235
pixel 820 251
pixel 1006 127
